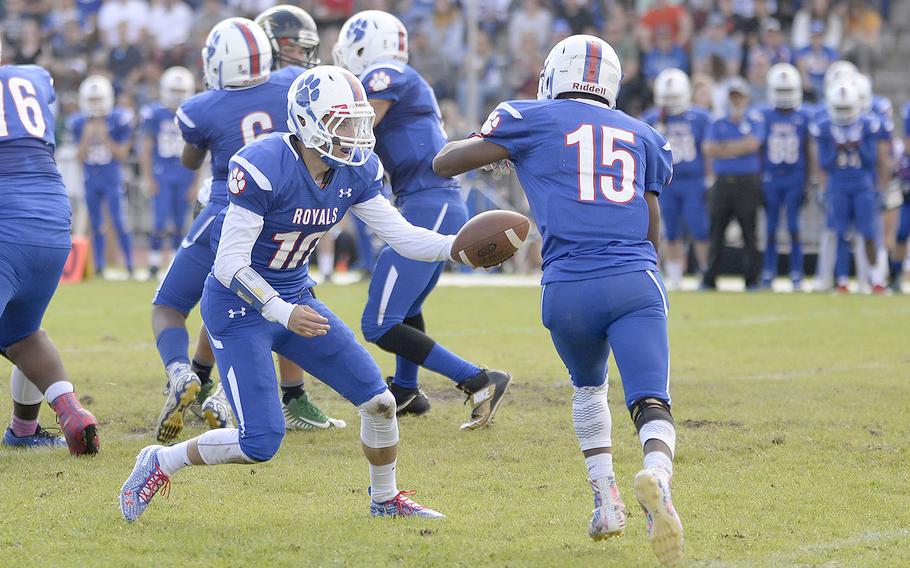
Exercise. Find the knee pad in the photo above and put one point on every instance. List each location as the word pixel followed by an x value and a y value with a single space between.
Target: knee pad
pixel 23 390
pixel 591 417
pixel 378 423
pixel 263 447
pixel 653 421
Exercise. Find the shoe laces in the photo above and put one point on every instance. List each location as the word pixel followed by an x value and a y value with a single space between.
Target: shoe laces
pixel 156 481
pixel 45 433
pixel 305 405
pixel 402 502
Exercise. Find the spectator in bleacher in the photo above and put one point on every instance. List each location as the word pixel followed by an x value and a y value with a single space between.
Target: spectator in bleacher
pixel 525 72
pixel 774 43
pixel 633 91
pixel 435 68
pixel 663 14
pixel 717 43
pixel 446 28
pixel 488 65
pixel 13 20
pixel 172 21
pixel 210 13
pixel 134 13
pixel 862 40
pixel 124 59
pixel 30 49
pixel 814 59
pixel 664 55
pixel 757 74
pixel 816 12
pixel 529 18
pixel 577 14
pixel 733 144
pixel 702 87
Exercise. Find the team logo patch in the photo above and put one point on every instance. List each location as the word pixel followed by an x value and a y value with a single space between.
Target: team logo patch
pixel 237 182
pixel 490 125
pixel 241 312
pixel 345 192
pixel 380 81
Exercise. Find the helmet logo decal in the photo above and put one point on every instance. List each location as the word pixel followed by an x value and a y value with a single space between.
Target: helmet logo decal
pixel 357 30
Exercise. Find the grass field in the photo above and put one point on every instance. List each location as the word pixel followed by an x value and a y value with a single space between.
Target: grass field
pixel 793 447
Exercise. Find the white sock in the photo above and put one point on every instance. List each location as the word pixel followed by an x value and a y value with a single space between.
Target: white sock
pixel 600 466
pixel 155 258
pixel 57 390
pixel 675 271
pixel 326 263
pixel 382 482
pixel 221 445
pixel 174 458
pixel 659 461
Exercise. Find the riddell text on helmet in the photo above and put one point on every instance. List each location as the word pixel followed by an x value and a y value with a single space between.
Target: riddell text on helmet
pixel 589 88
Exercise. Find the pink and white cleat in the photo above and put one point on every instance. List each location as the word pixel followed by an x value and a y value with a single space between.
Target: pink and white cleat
pixel 652 489
pixel 609 517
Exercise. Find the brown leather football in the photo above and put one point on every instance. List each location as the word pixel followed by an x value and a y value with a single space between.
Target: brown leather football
pixel 490 238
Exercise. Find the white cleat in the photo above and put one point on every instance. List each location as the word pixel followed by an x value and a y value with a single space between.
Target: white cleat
pixel 609 516
pixel 216 410
pixel 182 387
pixel 652 489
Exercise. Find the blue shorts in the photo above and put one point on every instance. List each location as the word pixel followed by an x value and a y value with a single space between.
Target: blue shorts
pixel 181 288
pixel 170 205
pixel 903 230
pixel 243 342
pixel 28 279
pixel 858 208
pixel 400 285
pixel 626 313
pixel 684 199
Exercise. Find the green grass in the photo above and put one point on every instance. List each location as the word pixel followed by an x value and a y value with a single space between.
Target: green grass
pixel 792 450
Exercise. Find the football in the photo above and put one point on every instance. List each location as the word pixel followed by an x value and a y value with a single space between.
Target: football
pixel 490 238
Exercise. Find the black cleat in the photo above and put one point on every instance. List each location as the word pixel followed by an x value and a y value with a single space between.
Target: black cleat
pixel 409 401
pixel 485 391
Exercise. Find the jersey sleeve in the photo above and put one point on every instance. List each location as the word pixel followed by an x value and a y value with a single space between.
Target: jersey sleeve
pixel 248 184
pixel 759 125
pixel 511 125
pixel 385 83
pixel 121 129
pixel 658 161
pixel 77 125
pixel 148 123
pixel 190 121
pixel 371 175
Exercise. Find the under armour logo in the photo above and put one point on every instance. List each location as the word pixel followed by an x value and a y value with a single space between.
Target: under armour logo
pixel 241 312
pixel 346 192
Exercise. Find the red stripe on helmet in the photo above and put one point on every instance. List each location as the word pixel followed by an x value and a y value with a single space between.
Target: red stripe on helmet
pixel 251 45
pixel 356 88
pixel 593 54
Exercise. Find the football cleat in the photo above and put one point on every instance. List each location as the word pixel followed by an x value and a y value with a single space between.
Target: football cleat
pixel 216 410
pixel 301 414
pixel 609 516
pixel 842 289
pixel 401 506
pixel 40 439
pixel 409 401
pixel 207 389
pixel 652 489
pixel 881 290
pixel 143 483
pixel 80 428
pixel 485 391
pixel 182 387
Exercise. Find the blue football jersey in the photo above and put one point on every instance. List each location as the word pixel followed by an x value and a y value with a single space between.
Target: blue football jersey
pixel 884 111
pixel 786 147
pixel 585 169
pixel 159 123
pixel 224 120
pixel 848 153
pixel 411 133
pixel 100 166
pixel 36 209
pixel 269 178
pixel 723 129
pixel 686 132
pixel 906 117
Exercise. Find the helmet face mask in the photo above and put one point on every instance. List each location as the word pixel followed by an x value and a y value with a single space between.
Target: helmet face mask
pixel 785 87
pixel 292 35
pixel 843 103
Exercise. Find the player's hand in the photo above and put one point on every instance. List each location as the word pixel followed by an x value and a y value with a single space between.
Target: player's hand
pixel 500 169
pixel 307 322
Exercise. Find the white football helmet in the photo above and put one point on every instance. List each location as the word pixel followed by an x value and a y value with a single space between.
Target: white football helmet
pixel 583 64
pixel 177 85
pixel 864 89
pixel 672 91
pixel 237 54
pixel 785 86
pixel 839 70
pixel 96 96
pixel 328 108
pixel 843 103
pixel 368 37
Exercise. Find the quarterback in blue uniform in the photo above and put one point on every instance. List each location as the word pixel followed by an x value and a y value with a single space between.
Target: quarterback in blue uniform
pixel 785 167
pixel 103 134
pixel 684 198
pixel 592 175
pixel 167 180
pixel 409 133
pixel 34 246
pixel 285 192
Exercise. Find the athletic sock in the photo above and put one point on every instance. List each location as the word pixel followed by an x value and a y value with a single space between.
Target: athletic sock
pixel 600 466
pixel 446 363
pixel 382 482
pixel 174 458
pixel 290 393
pixel 659 461
pixel 203 371
pixel 56 390
pixel 22 428
pixel 173 346
pixel 405 373
pixel 896 268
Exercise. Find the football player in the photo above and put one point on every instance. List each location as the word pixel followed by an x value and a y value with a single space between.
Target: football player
pixel 684 198
pixel 592 175
pixel 785 167
pixel 285 192
pixel 374 46
pixel 34 245
pixel 103 134
pixel 167 180
pixel 903 230
pixel 848 146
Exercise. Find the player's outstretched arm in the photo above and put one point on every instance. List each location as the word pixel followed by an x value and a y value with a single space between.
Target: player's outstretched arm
pixel 192 156
pixel 406 239
pixel 460 156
